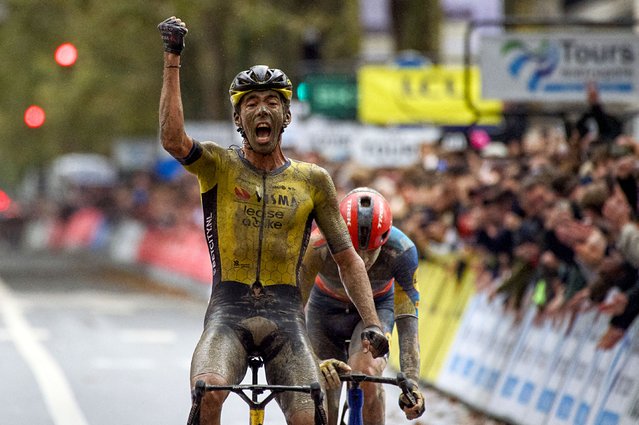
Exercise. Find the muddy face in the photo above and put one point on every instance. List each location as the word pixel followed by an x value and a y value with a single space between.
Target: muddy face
pixel 263 117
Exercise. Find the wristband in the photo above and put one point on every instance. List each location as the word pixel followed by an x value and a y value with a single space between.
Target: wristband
pixel 193 155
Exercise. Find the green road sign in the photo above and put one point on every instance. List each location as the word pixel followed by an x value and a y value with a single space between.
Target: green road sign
pixel 331 95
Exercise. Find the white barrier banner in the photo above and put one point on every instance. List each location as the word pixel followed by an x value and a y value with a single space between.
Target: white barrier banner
pixel 332 139
pixel 626 391
pixel 522 370
pixel 492 358
pixel 536 372
pixel 532 373
pixel 568 366
pixel 590 374
pixel 616 396
pixel 391 147
pixel 552 377
pixel 463 352
pixel 503 402
pixel 483 340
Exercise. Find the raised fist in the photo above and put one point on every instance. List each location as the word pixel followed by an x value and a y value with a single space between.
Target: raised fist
pixel 173 31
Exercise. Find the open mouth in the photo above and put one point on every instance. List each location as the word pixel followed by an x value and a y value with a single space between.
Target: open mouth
pixel 263 131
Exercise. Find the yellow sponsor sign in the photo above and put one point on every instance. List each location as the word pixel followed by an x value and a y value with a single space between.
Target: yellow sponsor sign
pixel 434 95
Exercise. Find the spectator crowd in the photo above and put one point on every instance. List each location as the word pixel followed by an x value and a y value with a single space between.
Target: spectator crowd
pixel 543 214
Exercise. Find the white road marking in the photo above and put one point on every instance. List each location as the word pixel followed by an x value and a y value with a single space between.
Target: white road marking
pixel 40 334
pixel 55 388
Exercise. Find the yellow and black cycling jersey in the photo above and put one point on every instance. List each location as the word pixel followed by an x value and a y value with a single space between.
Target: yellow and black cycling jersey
pixel 257 224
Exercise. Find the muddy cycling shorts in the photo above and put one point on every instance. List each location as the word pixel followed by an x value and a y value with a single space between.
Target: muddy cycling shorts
pixel 271 325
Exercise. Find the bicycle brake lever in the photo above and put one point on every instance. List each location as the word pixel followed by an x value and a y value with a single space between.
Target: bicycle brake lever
pixel 196 399
pixel 403 383
pixel 199 389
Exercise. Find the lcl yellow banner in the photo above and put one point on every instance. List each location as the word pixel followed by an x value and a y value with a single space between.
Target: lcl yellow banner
pixel 434 95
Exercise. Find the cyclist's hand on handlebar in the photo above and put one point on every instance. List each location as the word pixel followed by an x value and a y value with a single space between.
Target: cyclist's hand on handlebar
pixel 331 369
pixel 374 340
pixel 173 31
pixel 411 410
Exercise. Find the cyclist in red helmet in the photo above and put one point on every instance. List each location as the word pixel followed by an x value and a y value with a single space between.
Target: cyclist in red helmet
pixel 258 209
pixel 391 261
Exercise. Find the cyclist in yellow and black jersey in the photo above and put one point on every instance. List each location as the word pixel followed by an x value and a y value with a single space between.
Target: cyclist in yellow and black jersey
pixel 263 218
pixel 259 206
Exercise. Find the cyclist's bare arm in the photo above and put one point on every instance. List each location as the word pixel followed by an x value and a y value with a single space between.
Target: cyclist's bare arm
pixel 406 301
pixel 172 134
pixel 409 363
pixel 408 336
pixel 350 265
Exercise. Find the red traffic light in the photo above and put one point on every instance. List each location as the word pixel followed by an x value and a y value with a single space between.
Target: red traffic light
pixel 66 54
pixel 5 201
pixel 34 116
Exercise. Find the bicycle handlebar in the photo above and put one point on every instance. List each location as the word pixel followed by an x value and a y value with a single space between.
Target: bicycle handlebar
pixel 400 381
pixel 314 389
pixel 259 388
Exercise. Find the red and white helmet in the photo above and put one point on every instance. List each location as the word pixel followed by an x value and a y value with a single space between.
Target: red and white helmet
pixel 368 218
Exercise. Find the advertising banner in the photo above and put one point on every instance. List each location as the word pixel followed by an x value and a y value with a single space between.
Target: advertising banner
pixel 332 139
pixel 390 147
pixel 556 67
pixel 490 361
pixel 463 353
pixel 568 369
pixel 551 376
pixel 431 94
pixel 615 399
pixel 531 367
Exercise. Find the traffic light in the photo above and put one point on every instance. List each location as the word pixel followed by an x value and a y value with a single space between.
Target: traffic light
pixel 34 116
pixel 66 54
pixel 311 44
pixel 5 201
pixel 302 91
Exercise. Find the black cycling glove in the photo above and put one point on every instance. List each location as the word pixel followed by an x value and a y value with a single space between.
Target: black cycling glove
pixel 377 339
pixel 173 31
pixel 418 400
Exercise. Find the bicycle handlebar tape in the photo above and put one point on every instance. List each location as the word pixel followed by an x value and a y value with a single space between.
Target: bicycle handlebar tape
pixel 196 400
pixel 318 399
pixel 406 387
pixel 356 403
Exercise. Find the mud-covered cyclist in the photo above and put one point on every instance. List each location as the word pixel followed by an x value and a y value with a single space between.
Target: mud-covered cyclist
pixel 391 262
pixel 255 301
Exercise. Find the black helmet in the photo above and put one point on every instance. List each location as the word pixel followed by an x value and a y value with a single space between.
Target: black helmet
pixel 260 77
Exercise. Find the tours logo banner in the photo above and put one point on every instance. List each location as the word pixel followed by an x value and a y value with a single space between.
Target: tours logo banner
pixel 558 67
